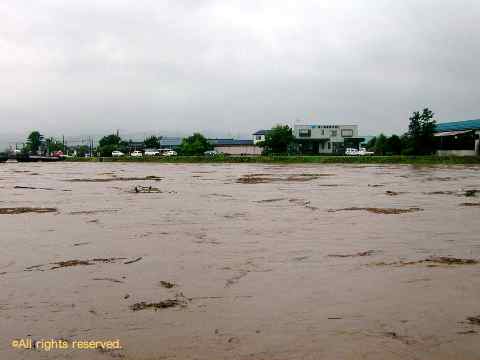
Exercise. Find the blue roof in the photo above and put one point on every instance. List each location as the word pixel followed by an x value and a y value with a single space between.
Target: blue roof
pixel 229 142
pixel 458 126
pixel 260 132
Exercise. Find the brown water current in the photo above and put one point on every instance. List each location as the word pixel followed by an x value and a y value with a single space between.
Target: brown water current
pixel 236 261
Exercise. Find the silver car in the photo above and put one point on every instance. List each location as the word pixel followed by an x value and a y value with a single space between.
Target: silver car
pixel 152 152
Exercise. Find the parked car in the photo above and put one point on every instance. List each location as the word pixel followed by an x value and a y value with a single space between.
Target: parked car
pixel 355 152
pixel 136 153
pixel 351 152
pixel 364 151
pixel 152 152
pixel 211 153
pixel 170 153
pixel 117 153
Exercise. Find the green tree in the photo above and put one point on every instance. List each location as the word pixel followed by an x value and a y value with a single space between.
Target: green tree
pixel 152 142
pixel 106 150
pixel 196 144
pixel 278 140
pixel 54 145
pixel 371 144
pixel 34 141
pixel 414 134
pixel 82 150
pixel 110 140
pixel 405 139
pixel 380 145
pixel 110 143
pixel 428 132
pixel 394 145
pixel 421 140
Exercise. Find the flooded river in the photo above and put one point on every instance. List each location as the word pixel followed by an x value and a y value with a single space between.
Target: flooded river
pixel 239 261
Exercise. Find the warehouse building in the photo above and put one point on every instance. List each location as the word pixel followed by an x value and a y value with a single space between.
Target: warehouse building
pixel 458 138
pixel 235 147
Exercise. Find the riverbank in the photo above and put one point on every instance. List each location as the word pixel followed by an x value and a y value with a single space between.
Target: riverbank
pixel 420 160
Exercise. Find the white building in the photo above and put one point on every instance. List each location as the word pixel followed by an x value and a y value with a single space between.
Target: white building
pixel 326 139
pixel 259 136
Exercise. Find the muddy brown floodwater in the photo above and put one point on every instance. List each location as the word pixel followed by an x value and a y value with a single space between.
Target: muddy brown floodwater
pixel 241 261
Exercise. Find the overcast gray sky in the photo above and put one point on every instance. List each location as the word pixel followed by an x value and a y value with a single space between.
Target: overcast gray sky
pixel 230 67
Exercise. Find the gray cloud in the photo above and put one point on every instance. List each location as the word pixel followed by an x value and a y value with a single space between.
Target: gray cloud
pixel 230 67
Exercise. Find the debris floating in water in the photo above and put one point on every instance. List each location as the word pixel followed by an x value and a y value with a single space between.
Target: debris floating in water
pixel 362 253
pixel 432 261
pixel 82 243
pixel 74 262
pixel 270 200
pixel 133 261
pixel 167 284
pixel 150 177
pixel 466 193
pixel 179 301
pixel 391 193
pixel 474 320
pixel 23 210
pixel 386 211
pixel 36 188
pixel 146 189
pixel 469 193
pixel 68 263
pixel 470 204
pixel 109 279
pixel 268 178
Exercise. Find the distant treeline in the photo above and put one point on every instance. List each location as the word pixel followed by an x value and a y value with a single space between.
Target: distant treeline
pixel 418 140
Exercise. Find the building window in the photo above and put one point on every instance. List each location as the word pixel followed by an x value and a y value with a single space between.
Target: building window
pixel 329 145
pixel 258 137
pixel 304 132
pixel 334 133
pixel 347 132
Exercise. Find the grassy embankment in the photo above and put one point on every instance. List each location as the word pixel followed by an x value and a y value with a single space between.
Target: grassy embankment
pixel 420 160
